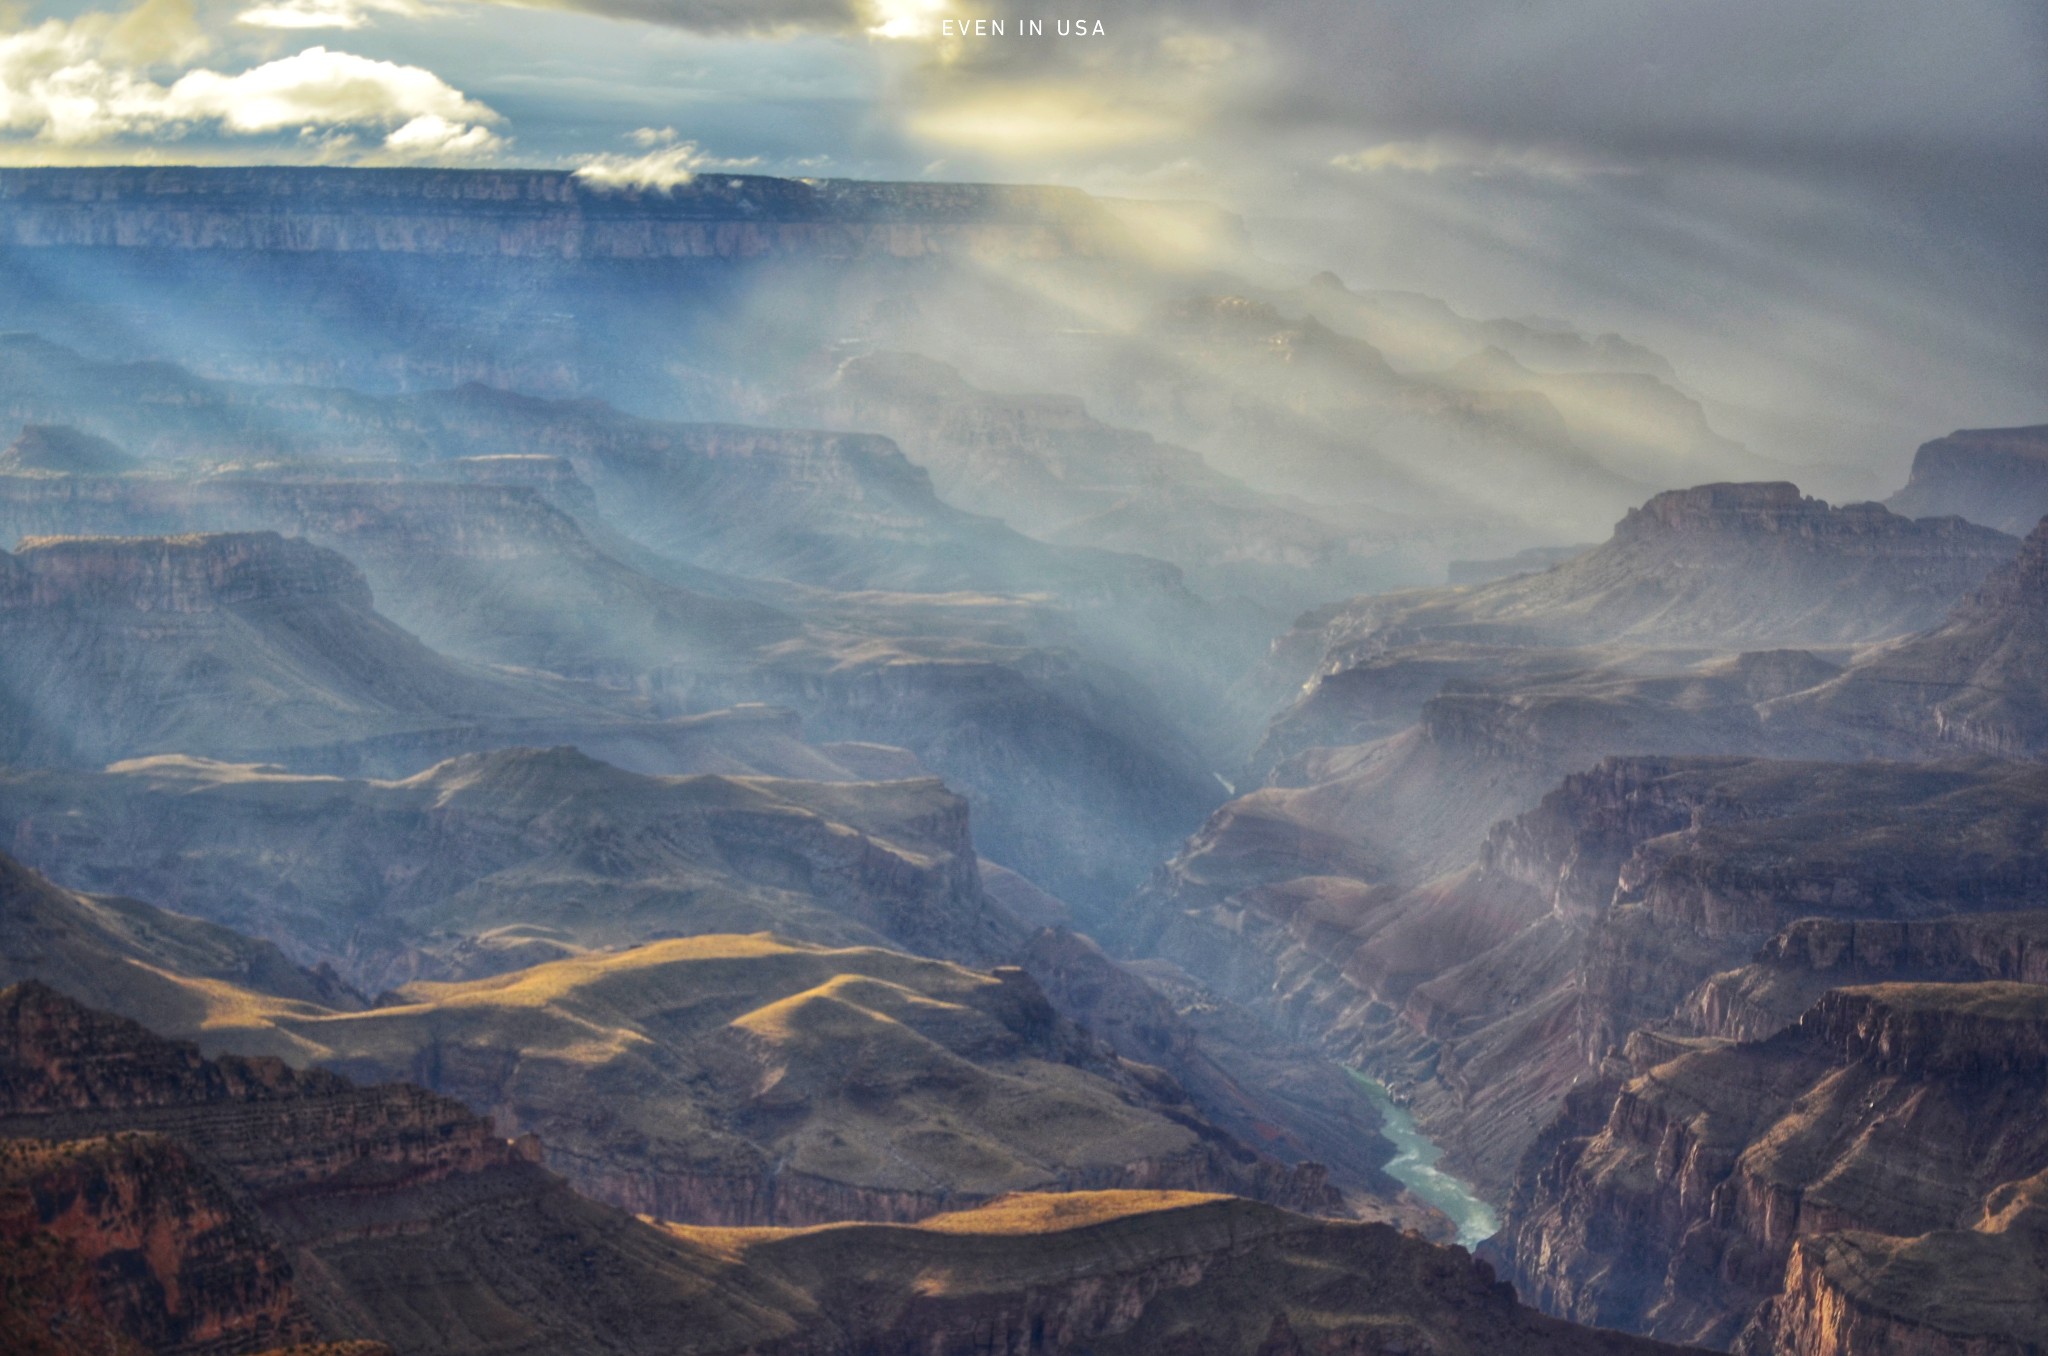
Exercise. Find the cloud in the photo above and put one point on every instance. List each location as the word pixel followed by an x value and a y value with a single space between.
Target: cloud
pixel 88 82
pixel 320 88
pixel 433 137
pixel 1462 155
pixel 315 14
pixel 666 168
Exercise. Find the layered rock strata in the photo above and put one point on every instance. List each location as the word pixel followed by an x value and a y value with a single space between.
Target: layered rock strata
pixel 451 1242
pixel 1820 1173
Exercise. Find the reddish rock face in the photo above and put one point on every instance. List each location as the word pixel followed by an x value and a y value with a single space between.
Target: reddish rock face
pixel 127 1240
pixel 404 1215
pixel 1815 1173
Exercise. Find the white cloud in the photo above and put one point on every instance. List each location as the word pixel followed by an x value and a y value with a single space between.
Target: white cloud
pixel 320 88
pixel 433 137
pixel 82 83
pixel 1459 155
pixel 651 137
pixel 666 168
pixel 314 14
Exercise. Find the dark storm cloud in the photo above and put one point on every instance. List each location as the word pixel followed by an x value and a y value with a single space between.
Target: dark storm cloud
pixel 1764 81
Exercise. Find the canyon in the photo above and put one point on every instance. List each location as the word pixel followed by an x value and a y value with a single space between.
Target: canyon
pixel 371 1184
pixel 794 767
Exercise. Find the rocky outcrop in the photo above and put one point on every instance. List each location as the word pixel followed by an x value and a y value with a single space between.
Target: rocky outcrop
pixel 1629 900
pixel 1813 955
pixel 1971 682
pixel 772 1083
pixel 236 643
pixel 458 1244
pixel 1747 567
pixel 491 569
pixel 184 574
pixel 57 450
pixel 1954 1292
pixel 125 1244
pixel 1994 476
pixel 486 863
pixel 1892 1110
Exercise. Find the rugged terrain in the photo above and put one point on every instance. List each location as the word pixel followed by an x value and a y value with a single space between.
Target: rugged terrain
pixel 1044 465
pixel 427 581
pixel 1972 682
pixel 397 1216
pixel 1994 476
pixel 1890 1140
pixel 721 1079
pixel 1720 568
pixel 611 551
pixel 492 861
pixel 1615 905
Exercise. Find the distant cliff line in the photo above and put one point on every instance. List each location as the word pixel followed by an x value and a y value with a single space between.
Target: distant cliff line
pixel 543 214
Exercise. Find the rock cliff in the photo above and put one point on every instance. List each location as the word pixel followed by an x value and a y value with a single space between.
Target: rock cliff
pixel 452 1242
pixel 124 1244
pixel 1994 476
pixel 1727 1176
pixel 1629 899
pixel 236 642
pixel 489 862
pixel 537 214
pixel 1972 682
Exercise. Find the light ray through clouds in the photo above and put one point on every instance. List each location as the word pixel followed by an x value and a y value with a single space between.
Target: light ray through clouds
pixel 1831 205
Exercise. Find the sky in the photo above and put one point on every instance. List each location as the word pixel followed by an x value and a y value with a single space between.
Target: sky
pixel 1829 206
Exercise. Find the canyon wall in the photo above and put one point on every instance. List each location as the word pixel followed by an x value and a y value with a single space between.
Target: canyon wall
pixel 539 214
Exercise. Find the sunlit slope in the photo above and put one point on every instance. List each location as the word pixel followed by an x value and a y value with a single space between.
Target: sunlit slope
pixel 404 1216
pixel 1174 1272
pixel 164 969
pixel 722 1079
pixel 747 1078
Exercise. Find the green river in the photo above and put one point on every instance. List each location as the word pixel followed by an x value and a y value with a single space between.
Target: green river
pixel 1414 1166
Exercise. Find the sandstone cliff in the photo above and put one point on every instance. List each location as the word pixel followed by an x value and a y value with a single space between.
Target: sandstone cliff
pixel 1728 1175
pixel 1627 899
pixel 233 643
pixel 1723 567
pixel 448 1241
pixel 1994 476
pixel 493 861
pixel 537 214
pixel 124 1244
pixel 1971 682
